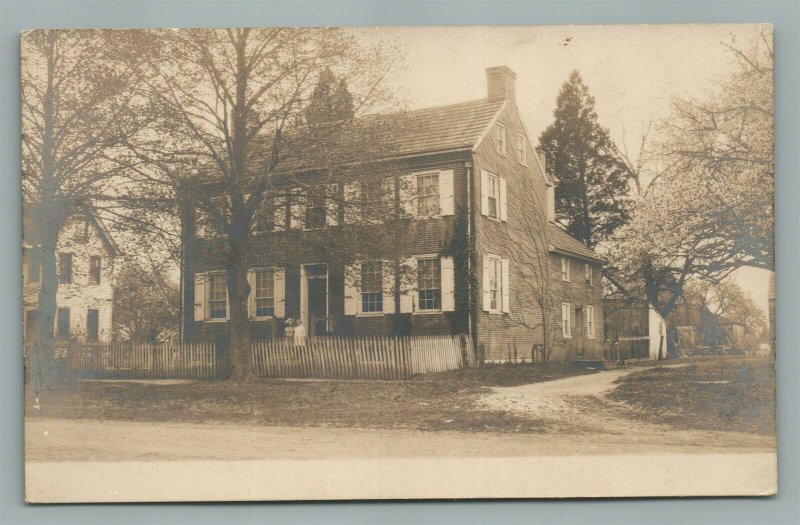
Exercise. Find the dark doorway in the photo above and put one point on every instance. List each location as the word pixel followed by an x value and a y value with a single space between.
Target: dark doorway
pixel 93 325
pixel 32 326
pixel 317 275
pixel 578 332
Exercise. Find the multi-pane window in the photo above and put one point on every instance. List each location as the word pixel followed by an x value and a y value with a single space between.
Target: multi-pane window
pixel 564 269
pixel 428 195
pixel 500 139
pixel 429 282
pixel 521 150
pixel 372 195
pixel 492 195
pixel 62 323
pixel 566 326
pixel 95 269
pixel 495 284
pixel 217 296
pixel 265 293
pixel 65 268
pixel 590 322
pixel 587 269
pixel 315 210
pixel 371 286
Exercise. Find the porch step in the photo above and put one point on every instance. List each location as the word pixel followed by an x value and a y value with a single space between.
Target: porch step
pixel 594 364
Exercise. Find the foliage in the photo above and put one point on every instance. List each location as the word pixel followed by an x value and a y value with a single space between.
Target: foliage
pixel 146 304
pixel 592 180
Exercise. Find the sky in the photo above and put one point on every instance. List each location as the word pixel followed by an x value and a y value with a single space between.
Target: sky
pixel 632 71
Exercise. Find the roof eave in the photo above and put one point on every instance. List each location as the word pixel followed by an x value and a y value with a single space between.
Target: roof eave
pixel 564 251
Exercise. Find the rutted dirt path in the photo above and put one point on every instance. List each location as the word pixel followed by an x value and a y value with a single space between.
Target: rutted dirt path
pixel 580 406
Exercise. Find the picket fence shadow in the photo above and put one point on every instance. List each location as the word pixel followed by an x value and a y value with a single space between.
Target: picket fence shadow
pixel 362 357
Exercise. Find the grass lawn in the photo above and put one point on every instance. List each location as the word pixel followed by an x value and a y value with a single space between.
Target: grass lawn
pixel 443 401
pixel 715 393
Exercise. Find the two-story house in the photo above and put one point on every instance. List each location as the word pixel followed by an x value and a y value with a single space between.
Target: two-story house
pixel 85 297
pixel 467 176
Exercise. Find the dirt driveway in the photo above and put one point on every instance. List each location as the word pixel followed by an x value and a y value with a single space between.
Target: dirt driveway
pixel 580 406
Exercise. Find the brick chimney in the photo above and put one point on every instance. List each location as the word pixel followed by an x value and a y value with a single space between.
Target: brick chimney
pixel 500 83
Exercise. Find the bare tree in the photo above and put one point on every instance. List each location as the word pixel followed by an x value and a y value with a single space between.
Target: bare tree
pixel 231 131
pixel 79 106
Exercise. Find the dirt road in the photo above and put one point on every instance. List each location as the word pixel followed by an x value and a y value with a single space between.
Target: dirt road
pixel 73 460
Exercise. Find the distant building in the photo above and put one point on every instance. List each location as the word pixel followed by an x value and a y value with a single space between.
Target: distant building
pixel 634 330
pixel 85 297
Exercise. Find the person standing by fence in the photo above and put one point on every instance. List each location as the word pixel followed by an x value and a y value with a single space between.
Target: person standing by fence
pixel 299 334
pixel 288 331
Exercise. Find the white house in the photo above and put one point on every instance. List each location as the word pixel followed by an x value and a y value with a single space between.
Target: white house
pixel 85 266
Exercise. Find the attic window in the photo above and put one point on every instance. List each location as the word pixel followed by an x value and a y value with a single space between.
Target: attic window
pixel 500 139
pixel 521 150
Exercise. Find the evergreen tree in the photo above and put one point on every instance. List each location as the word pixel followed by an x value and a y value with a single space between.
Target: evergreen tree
pixel 330 101
pixel 591 178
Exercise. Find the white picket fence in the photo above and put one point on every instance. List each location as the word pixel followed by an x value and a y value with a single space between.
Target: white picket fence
pixel 362 357
pixel 195 360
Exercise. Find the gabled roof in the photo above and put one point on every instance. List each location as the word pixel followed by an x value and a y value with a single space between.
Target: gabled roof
pixel 443 128
pixel 562 242
pixel 29 233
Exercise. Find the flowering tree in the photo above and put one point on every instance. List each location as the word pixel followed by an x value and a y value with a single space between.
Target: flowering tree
pixel 709 208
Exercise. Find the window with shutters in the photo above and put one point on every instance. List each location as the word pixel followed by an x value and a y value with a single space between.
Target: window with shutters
pixel 65 268
pixel 265 293
pixel 429 283
pixel 217 296
pixel 587 269
pixel 500 139
pixel 95 269
pixel 522 150
pixel 565 269
pixel 371 286
pixel 493 196
pixel 428 195
pixel 315 210
pixel 590 322
pixel 495 284
pixel 566 326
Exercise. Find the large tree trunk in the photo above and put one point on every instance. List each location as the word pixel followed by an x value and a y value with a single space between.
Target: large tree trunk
pixel 43 357
pixel 239 329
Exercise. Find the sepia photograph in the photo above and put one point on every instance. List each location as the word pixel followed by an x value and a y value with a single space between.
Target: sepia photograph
pixel 392 263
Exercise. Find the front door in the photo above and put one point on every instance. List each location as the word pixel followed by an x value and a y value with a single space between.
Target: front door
pixel 317 275
pixel 93 325
pixel 578 332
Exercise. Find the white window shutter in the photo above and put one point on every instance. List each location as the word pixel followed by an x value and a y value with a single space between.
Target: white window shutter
pixel 332 204
pixel 227 300
pixel 199 296
pixel 251 299
pixel 446 193
pixel 448 285
pixel 408 285
pixel 506 287
pixel 352 201
pixel 298 210
pixel 351 295
pixel 279 282
pixel 503 200
pixel 484 194
pixel 387 269
pixel 487 296
pixel 408 194
pixel 551 203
